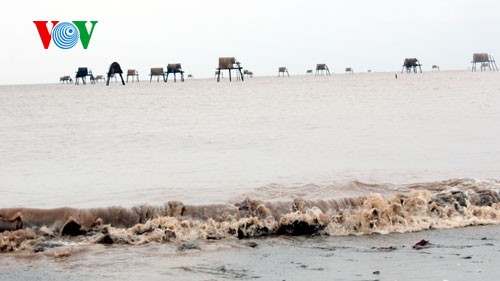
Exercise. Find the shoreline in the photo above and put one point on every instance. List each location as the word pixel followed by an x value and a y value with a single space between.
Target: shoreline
pixel 469 253
pixel 225 79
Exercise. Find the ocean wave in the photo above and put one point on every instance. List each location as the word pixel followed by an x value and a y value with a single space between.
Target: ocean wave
pixel 414 207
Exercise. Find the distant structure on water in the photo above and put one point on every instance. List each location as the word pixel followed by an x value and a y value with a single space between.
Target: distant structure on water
pixel 229 63
pixel 485 60
pixel 175 68
pixel 65 79
pixel 157 71
pixel 411 64
pixel 134 73
pixel 98 78
pixel 247 73
pixel 322 69
pixel 282 70
pixel 114 69
pixel 82 74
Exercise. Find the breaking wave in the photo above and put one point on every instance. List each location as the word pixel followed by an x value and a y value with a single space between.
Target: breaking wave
pixel 416 207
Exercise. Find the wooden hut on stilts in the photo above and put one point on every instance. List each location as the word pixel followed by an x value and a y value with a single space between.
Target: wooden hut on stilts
pixel 322 69
pixel 485 60
pixel 115 68
pixel 248 73
pixel 82 74
pixel 411 64
pixel 157 71
pixel 282 70
pixel 229 63
pixel 65 79
pixel 134 73
pixel 175 68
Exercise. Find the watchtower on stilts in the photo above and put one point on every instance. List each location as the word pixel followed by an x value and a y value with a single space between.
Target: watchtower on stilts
pixel 82 73
pixel 175 68
pixel 134 73
pixel 411 64
pixel 115 68
pixel 229 63
pixel 282 70
pixel 322 69
pixel 485 60
pixel 248 73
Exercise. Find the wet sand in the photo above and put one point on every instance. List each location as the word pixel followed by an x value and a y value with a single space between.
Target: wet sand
pixel 471 253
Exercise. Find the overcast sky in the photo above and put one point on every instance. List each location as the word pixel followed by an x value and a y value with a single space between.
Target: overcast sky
pixel 261 34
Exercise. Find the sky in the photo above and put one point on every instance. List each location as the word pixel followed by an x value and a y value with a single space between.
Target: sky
pixel 262 34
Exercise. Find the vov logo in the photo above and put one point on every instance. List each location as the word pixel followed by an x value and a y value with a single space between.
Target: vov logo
pixel 65 34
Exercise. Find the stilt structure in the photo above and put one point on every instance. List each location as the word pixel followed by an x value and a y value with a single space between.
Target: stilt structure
pixel 98 78
pixel 65 79
pixel 157 71
pixel 134 73
pixel 114 69
pixel 229 63
pixel 435 67
pixel 485 60
pixel 175 68
pixel 411 64
pixel 322 69
pixel 349 70
pixel 82 73
pixel 282 70
pixel 247 73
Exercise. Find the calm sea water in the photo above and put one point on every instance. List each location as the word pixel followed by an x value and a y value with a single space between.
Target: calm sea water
pixel 203 161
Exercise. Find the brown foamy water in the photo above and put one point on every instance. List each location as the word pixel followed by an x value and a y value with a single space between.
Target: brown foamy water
pixel 199 165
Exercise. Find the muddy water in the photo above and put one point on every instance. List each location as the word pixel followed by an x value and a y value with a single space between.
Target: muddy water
pixel 168 181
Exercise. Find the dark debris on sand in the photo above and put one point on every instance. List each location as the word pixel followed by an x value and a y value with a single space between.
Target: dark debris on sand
pixel 422 244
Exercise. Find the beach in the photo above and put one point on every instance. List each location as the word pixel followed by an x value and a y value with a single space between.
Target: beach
pixel 456 254
pixel 273 178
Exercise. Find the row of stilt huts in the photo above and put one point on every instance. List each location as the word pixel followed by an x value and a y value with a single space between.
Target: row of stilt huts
pixel 230 64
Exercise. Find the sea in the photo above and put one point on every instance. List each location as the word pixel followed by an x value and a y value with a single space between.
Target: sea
pixel 364 176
